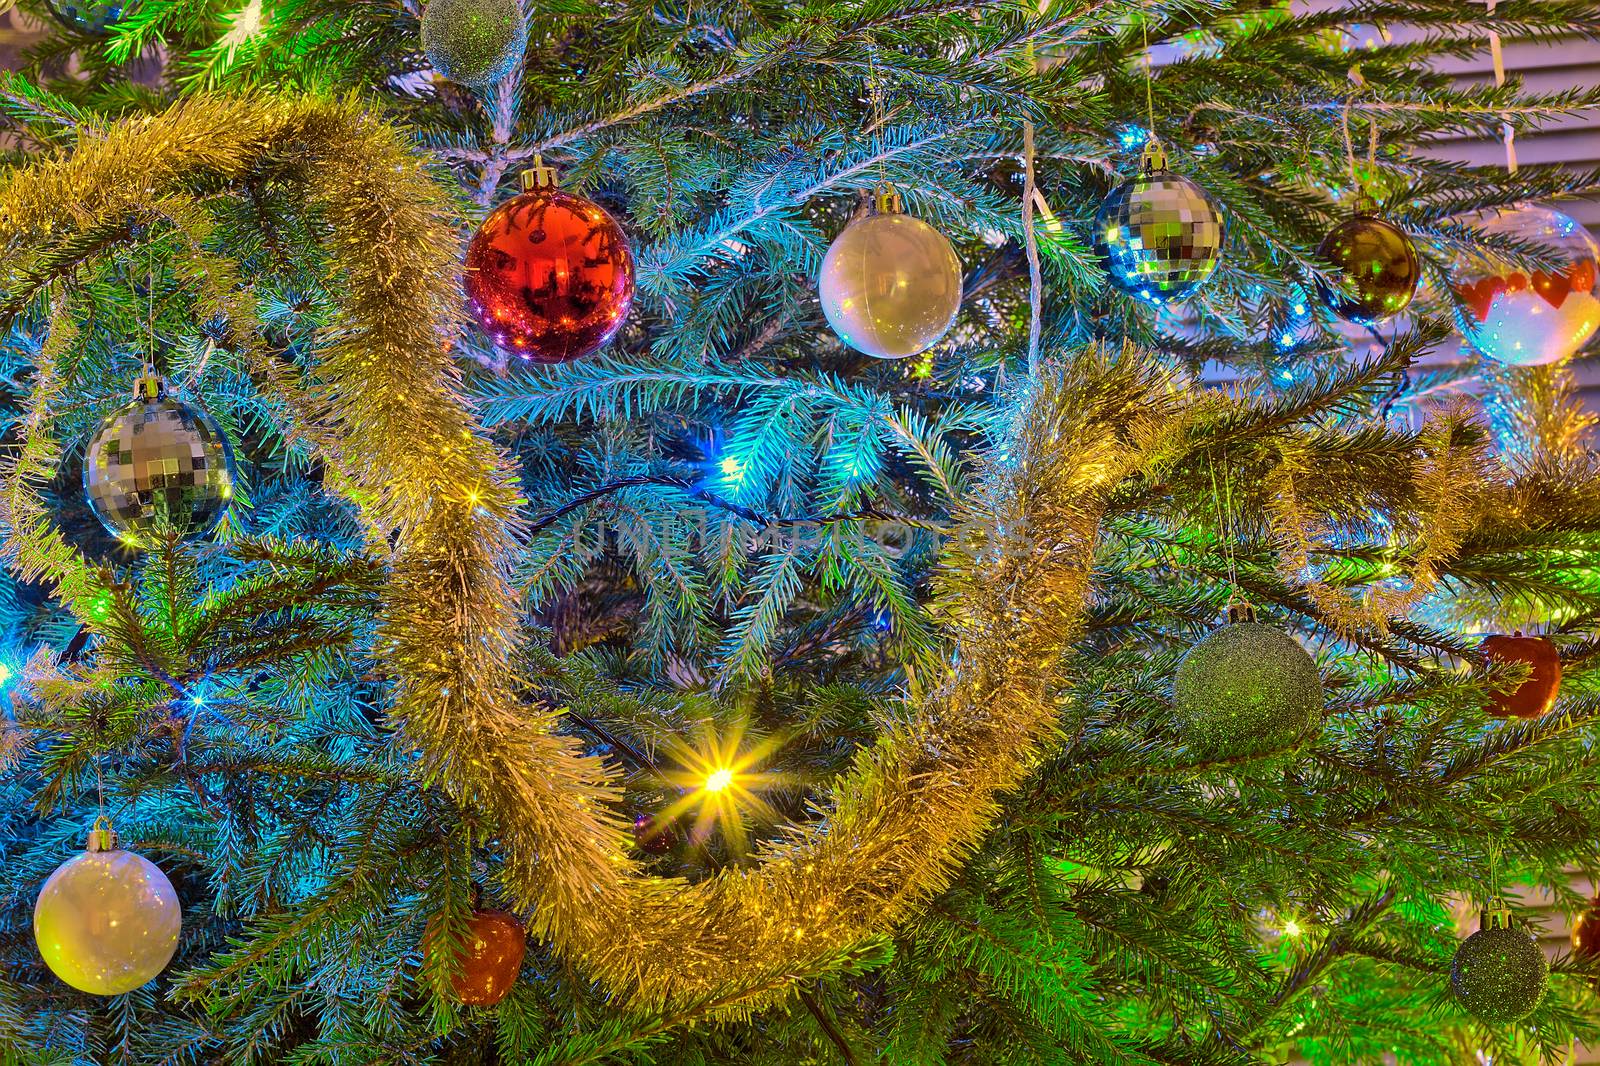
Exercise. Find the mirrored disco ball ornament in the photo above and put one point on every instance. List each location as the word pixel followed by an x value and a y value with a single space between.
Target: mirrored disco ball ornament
pixel 107 921
pixel 549 277
pixel 1499 973
pixel 1159 236
pixel 474 42
pixel 1531 318
pixel 1377 267
pixel 1246 688
pixel 157 467
pixel 90 18
pixel 890 284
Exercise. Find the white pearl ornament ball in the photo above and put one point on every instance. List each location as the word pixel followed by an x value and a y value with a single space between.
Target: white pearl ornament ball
pixel 107 921
pixel 890 283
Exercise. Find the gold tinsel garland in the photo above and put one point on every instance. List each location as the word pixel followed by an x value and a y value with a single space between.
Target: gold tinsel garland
pixel 383 410
pixel 914 804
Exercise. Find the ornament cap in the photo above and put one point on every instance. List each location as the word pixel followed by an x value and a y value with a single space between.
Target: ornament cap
pixel 538 176
pixel 1363 206
pixel 102 837
pixel 148 387
pixel 1154 157
pixel 1240 611
pixel 1497 917
pixel 886 200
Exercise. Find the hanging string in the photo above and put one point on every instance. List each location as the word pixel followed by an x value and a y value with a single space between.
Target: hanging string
pixel 1030 239
pixel 150 298
pixel 1492 895
pixel 99 791
pixel 1357 185
pixel 1224 525
pixel 1149 98
pixel 1360 83
pixel 875 94
pixel 1349 148
pixel 1231 529
pixel 1507 133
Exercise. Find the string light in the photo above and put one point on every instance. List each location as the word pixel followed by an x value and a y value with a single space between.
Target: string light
pixel 721 779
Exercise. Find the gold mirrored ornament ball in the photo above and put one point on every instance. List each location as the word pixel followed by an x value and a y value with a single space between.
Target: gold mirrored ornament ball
pixel 107 921
pixel 890 283
pixel 1159 235
pixel 1377 267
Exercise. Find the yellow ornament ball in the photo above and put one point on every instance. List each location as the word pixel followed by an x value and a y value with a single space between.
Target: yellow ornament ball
pixel 107 921
pixel 890 284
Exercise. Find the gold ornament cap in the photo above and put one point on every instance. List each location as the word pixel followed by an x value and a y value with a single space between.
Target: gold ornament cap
pixel 1154 157
pixel 886 200
pixel 1241 611
pixel 148 387
pixel 1498 917
pixel 538 176
pixel 102 837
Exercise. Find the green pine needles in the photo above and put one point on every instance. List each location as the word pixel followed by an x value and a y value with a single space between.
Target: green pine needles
pixel 733 528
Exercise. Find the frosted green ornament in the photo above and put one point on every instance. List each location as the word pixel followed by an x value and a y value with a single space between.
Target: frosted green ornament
pixel 1246 688
pixel 474 42
pixel 1500 972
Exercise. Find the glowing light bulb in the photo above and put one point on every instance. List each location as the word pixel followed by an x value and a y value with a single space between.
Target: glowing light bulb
pixel 1292 928
pixel 721 781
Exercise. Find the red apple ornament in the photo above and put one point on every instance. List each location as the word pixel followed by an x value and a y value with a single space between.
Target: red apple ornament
pixel 490 958
pixel 1586 933
pixel 1535 695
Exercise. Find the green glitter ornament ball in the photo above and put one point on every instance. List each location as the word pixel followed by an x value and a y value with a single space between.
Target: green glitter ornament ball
pixel 474 42
pixel 1499 974
pixel 1246 688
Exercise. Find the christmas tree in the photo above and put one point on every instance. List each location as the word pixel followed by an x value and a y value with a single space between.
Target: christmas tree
pixel 884 531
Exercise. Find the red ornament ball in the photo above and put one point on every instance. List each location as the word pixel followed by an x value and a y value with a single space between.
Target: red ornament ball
pixel 1586 932
pixel 1537 694
pixel 652 837
pixel 490 958
pixel 549 276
